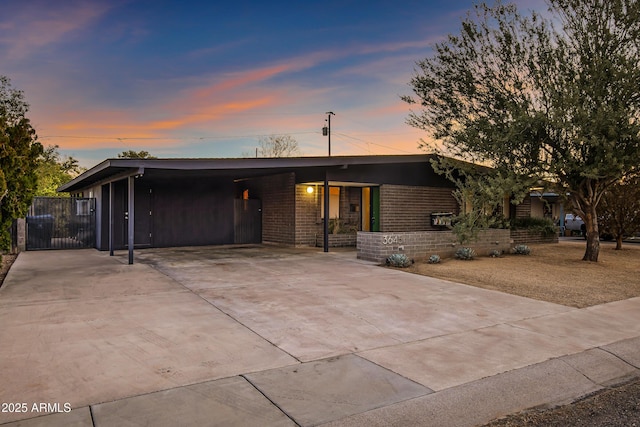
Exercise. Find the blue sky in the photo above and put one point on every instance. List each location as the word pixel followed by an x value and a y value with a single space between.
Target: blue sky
pixel 209 79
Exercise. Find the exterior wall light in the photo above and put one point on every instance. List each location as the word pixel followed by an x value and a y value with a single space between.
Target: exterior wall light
pixel 310 189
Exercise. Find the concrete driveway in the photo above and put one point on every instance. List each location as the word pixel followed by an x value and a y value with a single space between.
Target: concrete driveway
pixel 273 336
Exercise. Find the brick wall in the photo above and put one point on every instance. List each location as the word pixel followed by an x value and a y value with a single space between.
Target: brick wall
pixel 308 222
pixel 278 207
pixel 528 237
pixel 377 247
pixel 337 240
pixel 409 208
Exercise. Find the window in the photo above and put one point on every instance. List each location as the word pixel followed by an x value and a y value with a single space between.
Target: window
pixel 83 207
pixel 334 203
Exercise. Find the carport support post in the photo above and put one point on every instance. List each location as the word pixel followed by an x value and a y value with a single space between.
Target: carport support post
pixel 111 218
pixel 325 194
pixel 131 218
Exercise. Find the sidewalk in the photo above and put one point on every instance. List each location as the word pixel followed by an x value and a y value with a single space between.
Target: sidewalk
pixel 284 346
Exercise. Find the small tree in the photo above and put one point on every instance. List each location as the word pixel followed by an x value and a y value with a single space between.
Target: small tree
pixel 278 146
pixel 620 209
pixel 131 154
pixel 19 156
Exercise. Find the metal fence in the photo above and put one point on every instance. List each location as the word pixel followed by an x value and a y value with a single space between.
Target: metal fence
pixel 61 223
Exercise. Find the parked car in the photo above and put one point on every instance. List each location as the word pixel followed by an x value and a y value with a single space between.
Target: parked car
pixel 574 223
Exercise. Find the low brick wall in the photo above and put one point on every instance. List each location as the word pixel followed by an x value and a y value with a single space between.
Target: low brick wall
pixel 377 247
pixel 528 237
pixel 337 240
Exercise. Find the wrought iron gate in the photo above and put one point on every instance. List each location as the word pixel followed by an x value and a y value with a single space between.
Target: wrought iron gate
pixel 61 223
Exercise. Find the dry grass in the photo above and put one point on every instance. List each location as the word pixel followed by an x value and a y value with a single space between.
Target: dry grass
pixel 553 273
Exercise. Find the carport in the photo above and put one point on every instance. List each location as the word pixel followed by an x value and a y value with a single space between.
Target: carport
pixel 191 202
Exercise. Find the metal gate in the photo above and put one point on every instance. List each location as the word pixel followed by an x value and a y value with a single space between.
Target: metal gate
pixel 248 221
pixel 61 223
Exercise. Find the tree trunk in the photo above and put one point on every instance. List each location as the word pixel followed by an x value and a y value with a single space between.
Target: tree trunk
pixel 618 242
pixel 593 236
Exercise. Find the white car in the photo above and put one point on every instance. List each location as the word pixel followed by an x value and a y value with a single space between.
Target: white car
pixel 574 223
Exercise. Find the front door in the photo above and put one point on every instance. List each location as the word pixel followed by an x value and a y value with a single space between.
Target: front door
pixel 371 209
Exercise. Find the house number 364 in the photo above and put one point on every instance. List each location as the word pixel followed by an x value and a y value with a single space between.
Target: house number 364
pixel 390 240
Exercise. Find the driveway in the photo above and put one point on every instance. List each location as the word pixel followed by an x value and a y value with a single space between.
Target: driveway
pixel 277 336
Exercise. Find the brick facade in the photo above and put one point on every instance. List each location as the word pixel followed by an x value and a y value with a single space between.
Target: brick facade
pixel 409 208
pixel 278 196
pixel 308 221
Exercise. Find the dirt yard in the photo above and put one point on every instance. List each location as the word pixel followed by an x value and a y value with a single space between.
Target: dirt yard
pixel 552 272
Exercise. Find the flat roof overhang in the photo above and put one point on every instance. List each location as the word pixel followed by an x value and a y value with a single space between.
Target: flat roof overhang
pixel 112 170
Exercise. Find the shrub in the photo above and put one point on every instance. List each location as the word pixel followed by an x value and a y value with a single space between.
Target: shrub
pixel 495 253
pixel 399 260
pixel 434 259
pixel 465 253
pixel 544 226
pixel 522 250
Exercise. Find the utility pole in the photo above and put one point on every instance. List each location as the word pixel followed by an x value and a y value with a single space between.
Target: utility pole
pixel 327 131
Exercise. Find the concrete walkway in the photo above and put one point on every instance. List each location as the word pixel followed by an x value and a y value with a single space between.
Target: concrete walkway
pixel 271 336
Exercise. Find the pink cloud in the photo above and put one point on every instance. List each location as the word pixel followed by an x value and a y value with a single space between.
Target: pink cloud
pixel 42 24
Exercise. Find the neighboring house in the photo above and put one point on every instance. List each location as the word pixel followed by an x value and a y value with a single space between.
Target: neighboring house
pixel 184 202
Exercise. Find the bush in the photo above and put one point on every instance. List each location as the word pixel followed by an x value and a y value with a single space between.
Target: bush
pixel 543 225
pixel 465 254
pixel 495 253
pixel 399 260
pixel 522 250
pixel 434 259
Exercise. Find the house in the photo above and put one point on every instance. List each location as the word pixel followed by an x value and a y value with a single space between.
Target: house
pixel 186 202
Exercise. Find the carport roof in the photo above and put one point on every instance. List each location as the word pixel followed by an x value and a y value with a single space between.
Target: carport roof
pixel 115 169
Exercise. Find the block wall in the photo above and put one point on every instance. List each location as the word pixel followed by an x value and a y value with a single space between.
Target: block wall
pixel 372 246
pixel 307 211
pixel 409 208
pixel 278 196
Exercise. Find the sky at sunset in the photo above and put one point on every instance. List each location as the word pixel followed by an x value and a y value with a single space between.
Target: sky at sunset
pixel 210 78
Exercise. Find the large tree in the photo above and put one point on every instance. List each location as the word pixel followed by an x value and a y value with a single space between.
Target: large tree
pixel 54 170
pixel 19 156
pixel 278 146
pixel 543 101
pixel 131 154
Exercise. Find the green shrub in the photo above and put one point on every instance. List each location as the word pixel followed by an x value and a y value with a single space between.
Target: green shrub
pixel 522 250
pixel 399 260
pixel 434 259
pixel 495 253
pixel 543 225
pixel 465 253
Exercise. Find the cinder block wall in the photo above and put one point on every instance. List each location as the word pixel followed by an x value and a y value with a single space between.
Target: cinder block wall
pixel 409 208
pixel 420 244
pixel 531 237
pixel 278 196
pixel 308 222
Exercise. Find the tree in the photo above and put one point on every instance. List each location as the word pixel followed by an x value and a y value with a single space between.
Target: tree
pixel 620 209
pixel 131 154
pixel 19 153
pixel 278 146
pixel 54 170
pixel 540 104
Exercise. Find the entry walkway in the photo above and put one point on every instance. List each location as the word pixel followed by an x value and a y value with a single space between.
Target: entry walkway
pixel 272 336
